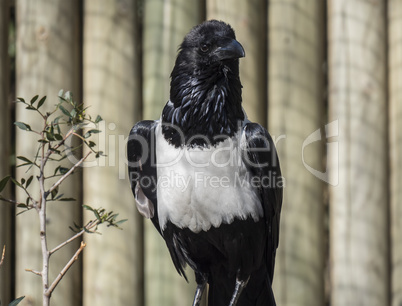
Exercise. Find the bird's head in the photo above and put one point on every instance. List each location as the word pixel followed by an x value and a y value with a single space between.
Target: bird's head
pixel 210 44
pixel 205 88
pixel 208 58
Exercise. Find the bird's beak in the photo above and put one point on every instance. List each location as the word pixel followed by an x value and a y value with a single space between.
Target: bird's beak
pixel 231 49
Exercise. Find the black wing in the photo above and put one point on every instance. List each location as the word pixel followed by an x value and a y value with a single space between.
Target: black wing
pixel 262 161
pixel 141 157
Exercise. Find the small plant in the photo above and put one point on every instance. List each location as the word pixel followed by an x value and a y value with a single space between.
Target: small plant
pixel 68 120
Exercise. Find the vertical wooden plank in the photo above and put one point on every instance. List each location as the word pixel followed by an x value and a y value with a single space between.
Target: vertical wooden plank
pixel 6 216
pixel 249 20
pixel 113 272
pixel 295 81
pixel 359 203
pixel 48 59
pixel 395 127
pixel 165 25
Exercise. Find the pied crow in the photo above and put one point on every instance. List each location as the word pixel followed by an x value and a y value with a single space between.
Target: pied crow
pixel 208 178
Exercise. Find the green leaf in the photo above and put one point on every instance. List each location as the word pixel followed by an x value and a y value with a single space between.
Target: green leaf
pixel 62 99
pixel 16 182
pixel 65 112
pixel 77 226
pixel 33 100
pixel 24 159
pixel 25 164
pixel 43 141
pixel 20 100
pixel 29 181
pixel 22 181
pixel 54 192
pixel 87 231
pixel 41 101
pixel 67 199
pixel 69 96
pixel 97 215
pixel 58 137
pixel 91 144
pixel 63 170
pixel 57 169
pixel 56 120
pixel 90 132
pixel 23 126
pixel 88 207
pixel 94 131
pixel 50 136
pixel 16 301
pixel 4 182
pixel 121 221
pixel 98 119
pixel 59 196
pixel 30 107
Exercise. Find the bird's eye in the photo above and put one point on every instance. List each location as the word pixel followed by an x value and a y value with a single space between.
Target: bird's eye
pixel 204 48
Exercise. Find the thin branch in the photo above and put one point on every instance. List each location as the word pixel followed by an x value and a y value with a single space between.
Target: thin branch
pixel 87 227
pixel 36 132
pixel 51 151
pixel 79 136
pixel 41 208
pixel 2 256
pixel 65 269
pixel 34 272
pixel 34 202
pixel 30 206
pixel 53 176
pixel 55 185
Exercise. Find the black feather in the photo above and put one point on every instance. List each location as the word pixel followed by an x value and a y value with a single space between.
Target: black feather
pixel 142 163
pixel 264 165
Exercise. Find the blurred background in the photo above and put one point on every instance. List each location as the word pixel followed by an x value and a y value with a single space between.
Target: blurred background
pixel 325 78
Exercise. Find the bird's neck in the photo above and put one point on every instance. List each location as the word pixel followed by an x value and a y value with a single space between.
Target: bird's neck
pixel 204 108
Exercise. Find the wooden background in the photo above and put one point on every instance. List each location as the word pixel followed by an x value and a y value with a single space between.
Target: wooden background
pixel 325 78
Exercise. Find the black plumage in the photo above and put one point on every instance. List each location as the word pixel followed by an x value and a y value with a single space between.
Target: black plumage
pixel 227 233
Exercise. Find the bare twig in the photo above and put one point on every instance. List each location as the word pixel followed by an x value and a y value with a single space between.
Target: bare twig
pixel 73 259
pixel 34 202
pixel 34 272
pixel 30 206
pixel 87 227
pixel 2 256
pixel 68 173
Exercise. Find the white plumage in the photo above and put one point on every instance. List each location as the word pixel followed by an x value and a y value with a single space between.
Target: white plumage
pixel 208 186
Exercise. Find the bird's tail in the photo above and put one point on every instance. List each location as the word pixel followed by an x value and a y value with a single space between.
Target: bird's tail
pixel 258 291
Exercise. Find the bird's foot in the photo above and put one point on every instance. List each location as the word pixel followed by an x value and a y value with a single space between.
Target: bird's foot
pixel 240 285
pixel 201 285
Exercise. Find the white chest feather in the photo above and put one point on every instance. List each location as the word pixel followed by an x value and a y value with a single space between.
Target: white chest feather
pixel 203 187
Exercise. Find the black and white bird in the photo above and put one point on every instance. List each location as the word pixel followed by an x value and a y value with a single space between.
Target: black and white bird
pixel 208 178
